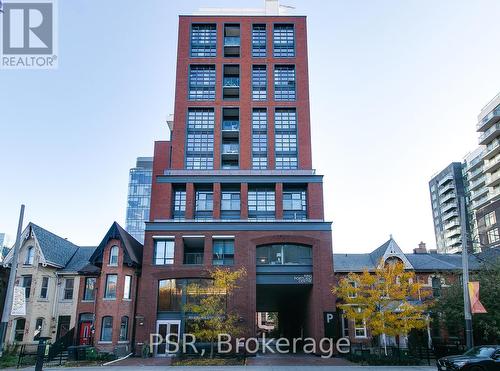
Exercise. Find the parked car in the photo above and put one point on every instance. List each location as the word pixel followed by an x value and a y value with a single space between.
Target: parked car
pixel 481 358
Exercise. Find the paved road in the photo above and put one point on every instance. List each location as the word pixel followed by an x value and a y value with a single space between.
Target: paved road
pixel 251 368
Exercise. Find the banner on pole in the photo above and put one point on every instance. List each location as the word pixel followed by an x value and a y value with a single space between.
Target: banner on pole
pixel 19 301
pixel 475 304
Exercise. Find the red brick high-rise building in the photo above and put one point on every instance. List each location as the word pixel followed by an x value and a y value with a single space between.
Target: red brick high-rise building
pixel 235 184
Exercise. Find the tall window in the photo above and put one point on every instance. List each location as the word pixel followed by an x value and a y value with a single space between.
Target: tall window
pixel 110 290
pixel 69 284
pixel 203 40
pixel 259 40
pixel 127 287
pixel 44 291
pixel 359 327
pixel 490 219
pixel 223 252
pixel 107 328
pixel 286 254
pixel 124 329
pixel 204 204
pixel 284 41
pixel 493 235
pixel 259 82
pixel 259 138
pixel 230 204
pixel 38 328
pixel 164 252
pixel 294 204
pixel 261 203
pixel 113 256
pixel 89 290
pixel 27 285
pixel 284 82
pixel 285 124
pixel 30 254
pixel 179 203
pixel 200 138
pixel 202 82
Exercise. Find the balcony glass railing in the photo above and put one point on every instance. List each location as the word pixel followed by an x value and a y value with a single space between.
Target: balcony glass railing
pixel 230 82
pixel 231 125
pixel 489 116
pixel 193 258
pixel 488 132
pixel 230 148
pixel 231 41
pixel 476 182
pixel 475 172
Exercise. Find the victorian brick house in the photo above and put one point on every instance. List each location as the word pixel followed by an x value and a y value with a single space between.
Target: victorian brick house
pixel 107 302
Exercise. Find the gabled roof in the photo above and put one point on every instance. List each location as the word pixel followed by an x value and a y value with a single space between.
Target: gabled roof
pixel 80 259
pixel 56 250
pixel 132 248
pixel 388 250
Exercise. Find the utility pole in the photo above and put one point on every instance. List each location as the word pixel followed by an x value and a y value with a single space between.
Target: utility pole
pixel 465 276
pixel 10 286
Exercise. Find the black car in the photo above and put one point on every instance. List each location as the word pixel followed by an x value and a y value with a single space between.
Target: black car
pixel 482 358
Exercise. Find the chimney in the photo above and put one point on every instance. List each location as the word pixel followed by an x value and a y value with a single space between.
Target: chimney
pixel 421 249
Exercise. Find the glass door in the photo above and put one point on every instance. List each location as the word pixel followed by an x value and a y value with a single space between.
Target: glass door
pixel 167 329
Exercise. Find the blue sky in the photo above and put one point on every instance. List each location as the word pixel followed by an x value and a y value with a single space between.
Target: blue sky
pixel 396 87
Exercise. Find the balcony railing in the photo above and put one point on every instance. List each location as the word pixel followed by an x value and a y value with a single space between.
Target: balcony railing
pixel 230 125
pixel 490 116
pixel 231 41
pixel 231 82
pixel 488 132
pixel 446 179
pixel 230 149
pixel 193 258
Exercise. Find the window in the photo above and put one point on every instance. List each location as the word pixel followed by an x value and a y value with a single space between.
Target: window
pixel 493 235
pixel 124 328
pixel 204 204
pixel 127 287
pixel 26 281
pixel 164 252
pixel 294 204
pixel 259 138
pixel 354 293
pixel 231 82
pixel 89 290
pixel 284 41
pixel 169 296
pixel 113 256
pixel 285 123
pixel 200 139
pixel 345 326
pixel 30 254
pixel 19 329
pixel 359 327
pixel 436 287
pixel 230 204
pixel 44 291
pixel 223 252
pixel 179 203
pixel 202 82
pixel 490 219
pixel 203 40
pixel 284 82
pixel 259 40
pixel 68 288
pixel 110 290
pixel 261 203
pixel 107 328
pixel 259 83
pixel 231 40
pixel 38 328
pixel 284 254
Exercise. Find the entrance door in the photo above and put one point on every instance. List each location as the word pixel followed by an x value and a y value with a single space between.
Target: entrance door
pixel 63 326
pixel 168 329
pixel 84 333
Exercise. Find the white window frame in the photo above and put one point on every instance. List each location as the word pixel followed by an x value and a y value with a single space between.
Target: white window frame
pixel 127 287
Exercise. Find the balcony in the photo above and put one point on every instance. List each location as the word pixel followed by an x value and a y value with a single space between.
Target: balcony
pixel 452 224
pixel 193 258
pixel 230 149
pixel 492 149
pixel 447 197
pixel 490 119
pixel 446 179
pixel 452 233
pixel 232 41
pixel 475 174
pixel 453 242
pixel 449 215
pixel 489 134
pixel 479 182
pixel 230 128
pixel 446 188
pixel 231 82
pixel 478 194
pixel 493 179
pixel 481 201
pixel 492 165
pixel 449 206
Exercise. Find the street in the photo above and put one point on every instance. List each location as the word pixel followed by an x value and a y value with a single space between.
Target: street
pixel 249 368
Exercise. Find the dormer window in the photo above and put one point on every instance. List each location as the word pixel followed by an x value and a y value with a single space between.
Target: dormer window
pixel 30 254
pixel 113 256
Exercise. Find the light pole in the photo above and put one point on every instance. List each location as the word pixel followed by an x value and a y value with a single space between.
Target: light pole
pixel 465 277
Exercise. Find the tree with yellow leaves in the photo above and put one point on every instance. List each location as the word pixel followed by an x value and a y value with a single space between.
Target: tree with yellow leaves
pixel 386 300
pixel 210 315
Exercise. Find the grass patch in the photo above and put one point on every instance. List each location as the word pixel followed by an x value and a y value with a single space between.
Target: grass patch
pixel 198 361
